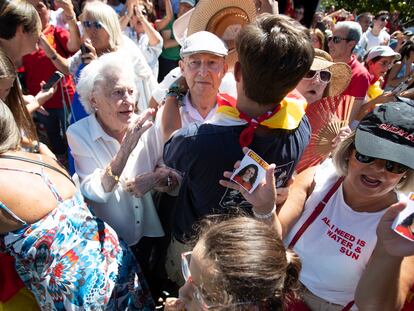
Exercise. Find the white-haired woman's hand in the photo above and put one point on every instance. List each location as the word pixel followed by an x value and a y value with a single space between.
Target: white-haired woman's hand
pixel 137 126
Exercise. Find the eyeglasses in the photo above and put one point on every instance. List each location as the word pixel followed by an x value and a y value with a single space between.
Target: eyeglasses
pixel 94 24
pixel 390 166
pixel 185 270
pixel 383 19
pixel 336 39
pixel 323 75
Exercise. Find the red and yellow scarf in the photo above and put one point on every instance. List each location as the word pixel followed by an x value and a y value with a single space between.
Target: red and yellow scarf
pixel 287 115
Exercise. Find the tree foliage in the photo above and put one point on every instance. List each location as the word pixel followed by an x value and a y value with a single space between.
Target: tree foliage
pixel 406 8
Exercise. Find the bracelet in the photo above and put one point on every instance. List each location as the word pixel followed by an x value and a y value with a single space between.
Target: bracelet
pixel 264 216
pixel 175 91
pixel 110 174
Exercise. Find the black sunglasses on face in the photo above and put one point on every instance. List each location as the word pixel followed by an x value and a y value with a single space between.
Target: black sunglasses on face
pixel 337 39
pixel 390 166
pixel 383 19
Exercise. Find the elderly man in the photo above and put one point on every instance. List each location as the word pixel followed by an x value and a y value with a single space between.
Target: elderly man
pixel 260 118
pixel 343 41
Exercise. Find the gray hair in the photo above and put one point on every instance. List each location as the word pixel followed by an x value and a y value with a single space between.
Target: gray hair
pixel 354 30
pixel 9 133
pixel 104 14
pixel 99 71
pixel 341 157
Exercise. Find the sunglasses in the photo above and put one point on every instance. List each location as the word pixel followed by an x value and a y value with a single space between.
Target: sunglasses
pixel 383 19
pixel 390 166
pixel 336 39
pixel 323 75
pixel 94 24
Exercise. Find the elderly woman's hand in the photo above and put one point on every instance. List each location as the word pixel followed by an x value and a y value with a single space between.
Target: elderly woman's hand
pixel 136 127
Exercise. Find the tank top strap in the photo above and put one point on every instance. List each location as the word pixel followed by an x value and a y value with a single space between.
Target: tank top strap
pixel 50 184
pixel 10 212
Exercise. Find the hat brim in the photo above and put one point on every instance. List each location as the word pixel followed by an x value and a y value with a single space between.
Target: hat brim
pixel 373 146
pixel 341 74
pixel 223 13
pixel 180 26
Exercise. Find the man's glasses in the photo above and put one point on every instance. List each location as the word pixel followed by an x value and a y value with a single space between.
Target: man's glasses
pixel 383 19
pixel 323 75
pixel 94 24
pixel 390 166
pixel 336 39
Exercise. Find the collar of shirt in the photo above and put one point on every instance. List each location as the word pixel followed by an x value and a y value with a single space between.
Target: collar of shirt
pixel 192 113
pixel 97 132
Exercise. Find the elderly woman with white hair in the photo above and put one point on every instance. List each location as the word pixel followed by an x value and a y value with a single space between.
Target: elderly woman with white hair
pixel 101 145
pixel 102 34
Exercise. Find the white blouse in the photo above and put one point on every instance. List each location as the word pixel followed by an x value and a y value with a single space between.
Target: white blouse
pixel 92 150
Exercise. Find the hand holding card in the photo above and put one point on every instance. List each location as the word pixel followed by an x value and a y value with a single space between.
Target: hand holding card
pixel 251 172
pixel 404 223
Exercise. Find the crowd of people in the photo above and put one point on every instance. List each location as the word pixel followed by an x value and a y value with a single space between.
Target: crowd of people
pixel 122 122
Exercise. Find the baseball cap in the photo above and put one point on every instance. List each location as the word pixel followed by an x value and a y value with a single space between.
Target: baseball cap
pixel 203 42
pixel 388 133
pixel 383 51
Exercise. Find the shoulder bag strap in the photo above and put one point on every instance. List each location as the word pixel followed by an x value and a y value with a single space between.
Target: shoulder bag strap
pixel 12 157
pixel 316 212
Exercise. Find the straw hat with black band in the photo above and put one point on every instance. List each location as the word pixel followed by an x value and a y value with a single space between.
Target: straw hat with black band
pixel 224 18
pixel 341 72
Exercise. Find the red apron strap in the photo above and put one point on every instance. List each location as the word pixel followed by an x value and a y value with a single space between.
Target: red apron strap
pixel 348 306
pixel 316 212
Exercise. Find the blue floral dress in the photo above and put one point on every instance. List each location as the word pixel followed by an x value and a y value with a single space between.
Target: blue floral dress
pixel 71 260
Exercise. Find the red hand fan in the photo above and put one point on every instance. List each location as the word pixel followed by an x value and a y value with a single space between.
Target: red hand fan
pixel 326 118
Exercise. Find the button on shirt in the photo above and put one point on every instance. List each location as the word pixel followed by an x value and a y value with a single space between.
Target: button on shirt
pixel 92 149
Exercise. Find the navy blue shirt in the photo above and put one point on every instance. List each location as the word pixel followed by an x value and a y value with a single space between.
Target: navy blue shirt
pixel 204 152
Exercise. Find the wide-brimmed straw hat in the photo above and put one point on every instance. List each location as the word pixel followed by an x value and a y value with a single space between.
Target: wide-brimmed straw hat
pixel 224 18
pixel 341 72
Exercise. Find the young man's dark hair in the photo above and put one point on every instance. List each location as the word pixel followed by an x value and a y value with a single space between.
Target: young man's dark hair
pixel 381 13
pixel 274 54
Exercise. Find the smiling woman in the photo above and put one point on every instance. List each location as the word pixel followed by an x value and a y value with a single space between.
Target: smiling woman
pixel 102 143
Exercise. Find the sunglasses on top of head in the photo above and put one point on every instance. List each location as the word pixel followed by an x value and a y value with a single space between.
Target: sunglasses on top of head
pixel 390 166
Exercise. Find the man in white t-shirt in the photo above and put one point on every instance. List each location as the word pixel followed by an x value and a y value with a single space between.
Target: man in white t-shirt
pixel 377 35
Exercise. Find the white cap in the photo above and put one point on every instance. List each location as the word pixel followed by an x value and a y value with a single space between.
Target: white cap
pixel 383 51
pixel 203 42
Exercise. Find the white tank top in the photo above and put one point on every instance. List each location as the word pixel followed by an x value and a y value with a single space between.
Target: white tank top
pixel 337 246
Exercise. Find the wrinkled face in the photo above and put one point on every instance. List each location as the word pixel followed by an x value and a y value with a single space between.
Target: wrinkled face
pixel 342 48
pixel 94 30
pixel 114 101
pixel 312 89
pixel 370 179
pixel 203 73
pixel 380 67
pixel 5 86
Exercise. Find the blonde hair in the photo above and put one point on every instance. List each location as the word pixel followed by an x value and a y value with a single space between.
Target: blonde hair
pixel 9 133
pixel 341 157
pixel 104 14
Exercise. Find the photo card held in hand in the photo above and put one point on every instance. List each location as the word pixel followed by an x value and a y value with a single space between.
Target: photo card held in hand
pixel 252 171
pixel 404 223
